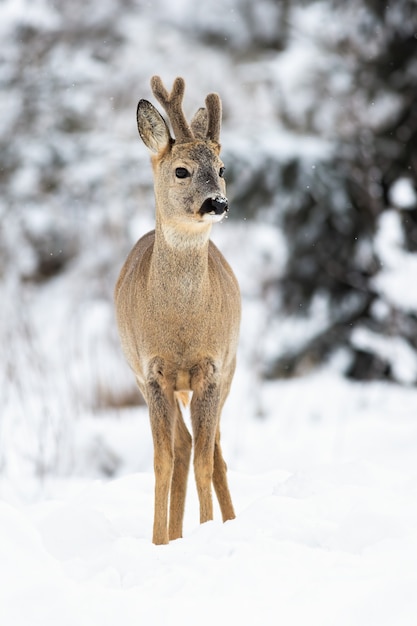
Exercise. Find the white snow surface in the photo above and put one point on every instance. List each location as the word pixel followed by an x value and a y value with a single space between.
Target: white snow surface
pixel 324 482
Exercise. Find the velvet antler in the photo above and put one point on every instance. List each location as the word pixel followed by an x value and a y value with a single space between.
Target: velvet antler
pixel 214 109
pixel 172 103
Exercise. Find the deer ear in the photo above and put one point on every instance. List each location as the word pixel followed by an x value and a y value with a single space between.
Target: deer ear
pixel 152 127
pixel 199 123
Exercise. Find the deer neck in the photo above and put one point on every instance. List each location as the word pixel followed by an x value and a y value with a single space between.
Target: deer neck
pixel 181 251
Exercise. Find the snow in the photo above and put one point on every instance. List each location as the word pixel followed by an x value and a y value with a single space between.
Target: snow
pixel 402 194
pixel 399 267
pixel 324 486
pixel 393 350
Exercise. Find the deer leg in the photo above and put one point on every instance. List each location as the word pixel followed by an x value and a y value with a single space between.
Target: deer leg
pixel 204 416
pixel 203 469
pixel 220 482
pixel 182 454
pixel 161 413
pixel 163 467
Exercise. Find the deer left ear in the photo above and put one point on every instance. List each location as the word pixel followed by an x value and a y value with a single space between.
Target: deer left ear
pixel 152 127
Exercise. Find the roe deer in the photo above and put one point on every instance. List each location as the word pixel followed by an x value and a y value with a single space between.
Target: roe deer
pixel 178 307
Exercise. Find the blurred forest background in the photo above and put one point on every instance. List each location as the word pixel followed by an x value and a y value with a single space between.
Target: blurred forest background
pixel 320 145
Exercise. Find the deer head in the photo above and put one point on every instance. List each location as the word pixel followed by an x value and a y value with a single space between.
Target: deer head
pixel 188 172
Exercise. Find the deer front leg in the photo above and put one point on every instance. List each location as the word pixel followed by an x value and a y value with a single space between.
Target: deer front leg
pixel 182 448
pixel 161 412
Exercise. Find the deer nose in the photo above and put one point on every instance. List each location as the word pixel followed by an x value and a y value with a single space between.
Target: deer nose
pixel 220 204
pixel 215 206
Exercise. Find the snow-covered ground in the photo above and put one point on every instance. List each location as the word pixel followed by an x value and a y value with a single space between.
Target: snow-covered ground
pixel 324 483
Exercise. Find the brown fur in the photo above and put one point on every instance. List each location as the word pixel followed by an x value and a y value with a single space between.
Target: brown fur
pixel 178 312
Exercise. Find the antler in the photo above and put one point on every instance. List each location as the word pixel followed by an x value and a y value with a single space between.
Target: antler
pixel 172 104
pixel 214 109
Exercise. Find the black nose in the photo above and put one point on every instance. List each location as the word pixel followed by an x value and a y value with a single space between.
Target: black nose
pixel 216 206
pixel 219 204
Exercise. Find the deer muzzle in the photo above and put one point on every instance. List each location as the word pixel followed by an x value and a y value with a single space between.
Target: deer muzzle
pixel 216 206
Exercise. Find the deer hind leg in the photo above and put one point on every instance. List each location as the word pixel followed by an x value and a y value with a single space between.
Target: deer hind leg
pixel 161 405
pixel 182 455
pixel 220 468
pixel 220 481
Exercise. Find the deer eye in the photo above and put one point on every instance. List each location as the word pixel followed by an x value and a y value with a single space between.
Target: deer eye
pixel 181 172
pixel 221 172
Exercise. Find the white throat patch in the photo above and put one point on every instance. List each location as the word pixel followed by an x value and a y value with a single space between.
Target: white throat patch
pixel 187 237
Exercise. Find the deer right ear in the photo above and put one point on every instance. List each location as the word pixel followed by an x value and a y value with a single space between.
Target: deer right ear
pixel 199 123
pixel 152 127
